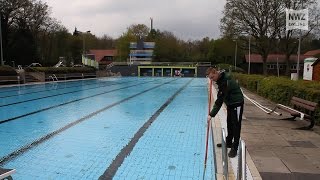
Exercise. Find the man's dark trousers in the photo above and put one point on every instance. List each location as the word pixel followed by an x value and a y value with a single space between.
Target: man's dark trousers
pixel 234 118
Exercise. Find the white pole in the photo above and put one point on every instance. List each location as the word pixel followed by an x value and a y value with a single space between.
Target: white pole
pixel 278 65
pixel 235 57
pixel 83 44
pixel 2 62
pixel 299 47
pixel 249 54
pixel 298 66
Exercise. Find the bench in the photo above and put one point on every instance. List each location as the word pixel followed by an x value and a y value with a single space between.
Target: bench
pixel 308 108
pixel 5 174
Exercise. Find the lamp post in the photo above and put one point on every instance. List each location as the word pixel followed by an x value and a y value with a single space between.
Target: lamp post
pixel 299 47
pixel 235 55
pixel 84 41
pixel 249 54
pixel 76 32
pixel 2 62
pixel 298 63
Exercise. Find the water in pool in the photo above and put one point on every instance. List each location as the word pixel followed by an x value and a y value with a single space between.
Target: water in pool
pixel 109 128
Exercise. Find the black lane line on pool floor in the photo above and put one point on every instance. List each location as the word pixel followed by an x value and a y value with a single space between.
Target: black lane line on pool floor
pixel 27 147
pixel 111 171
pixel 71 92
pixel 52 89
pixel 45 85
pixel 62 104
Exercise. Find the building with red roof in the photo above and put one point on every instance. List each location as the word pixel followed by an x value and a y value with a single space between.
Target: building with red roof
pixel 316 70
pixel 313 53
pixel 103 56
pixel 274 61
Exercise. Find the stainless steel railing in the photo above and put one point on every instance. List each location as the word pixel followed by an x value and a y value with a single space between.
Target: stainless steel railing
pixel 242 173
pixel 224 155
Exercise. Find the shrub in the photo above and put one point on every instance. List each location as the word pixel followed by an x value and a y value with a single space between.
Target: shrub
pixel 248 81
pixel 227 67
pixel 281 90
pixel 7 71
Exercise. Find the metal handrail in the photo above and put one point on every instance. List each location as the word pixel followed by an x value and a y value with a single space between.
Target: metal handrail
pixel 110 65
pixel 55 77
pixel 224 155
pixel 242 169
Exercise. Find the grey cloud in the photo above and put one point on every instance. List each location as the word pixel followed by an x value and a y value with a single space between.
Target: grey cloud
pixel 187 19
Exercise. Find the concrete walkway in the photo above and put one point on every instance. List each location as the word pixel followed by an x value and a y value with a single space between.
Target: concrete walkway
pixel 277 150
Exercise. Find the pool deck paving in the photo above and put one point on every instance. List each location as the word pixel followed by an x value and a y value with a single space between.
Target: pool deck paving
pixel 277 149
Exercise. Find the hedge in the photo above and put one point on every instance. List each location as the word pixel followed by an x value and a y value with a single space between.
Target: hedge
pixel 280 89
pixel 7 71
pixel 228 66
pixel 61 70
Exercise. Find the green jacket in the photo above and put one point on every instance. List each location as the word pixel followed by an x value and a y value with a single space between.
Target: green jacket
pixel 229 93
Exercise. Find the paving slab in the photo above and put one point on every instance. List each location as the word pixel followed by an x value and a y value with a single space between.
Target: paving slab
pixel 277 149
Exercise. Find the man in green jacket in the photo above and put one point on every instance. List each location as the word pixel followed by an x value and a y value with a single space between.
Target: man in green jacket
pixel 230 94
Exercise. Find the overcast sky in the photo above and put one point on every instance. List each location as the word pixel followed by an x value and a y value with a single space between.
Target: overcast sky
pixel 187 19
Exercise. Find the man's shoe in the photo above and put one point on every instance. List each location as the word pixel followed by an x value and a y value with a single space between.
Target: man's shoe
pixel 228 145
pixel 232 153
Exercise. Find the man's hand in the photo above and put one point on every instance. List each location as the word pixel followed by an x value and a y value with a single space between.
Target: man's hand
pixel 209 118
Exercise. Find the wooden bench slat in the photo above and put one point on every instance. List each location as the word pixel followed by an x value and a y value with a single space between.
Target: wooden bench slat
pixel 309 103
pixel 300 104
pixel 306 105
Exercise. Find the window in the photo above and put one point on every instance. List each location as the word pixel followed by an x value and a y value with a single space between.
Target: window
pixel 272 66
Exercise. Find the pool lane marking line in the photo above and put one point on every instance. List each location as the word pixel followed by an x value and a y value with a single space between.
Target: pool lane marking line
pixel 71 92
pixel 66 103
pixel 111 171
pixel 52 89
pixel 29 146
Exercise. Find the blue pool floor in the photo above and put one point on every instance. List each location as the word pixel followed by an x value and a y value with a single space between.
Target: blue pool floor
pixel 172 147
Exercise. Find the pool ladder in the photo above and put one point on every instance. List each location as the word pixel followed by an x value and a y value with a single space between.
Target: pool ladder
pixel 54 78
pixel 241 167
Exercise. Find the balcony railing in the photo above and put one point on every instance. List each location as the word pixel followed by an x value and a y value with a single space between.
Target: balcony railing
pixel 140 59
pixel 146 45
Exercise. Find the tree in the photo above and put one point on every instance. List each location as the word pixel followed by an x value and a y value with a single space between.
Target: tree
pixel 139 30
pixel 168 47
pixel 224 51
pixel 288 39
pixel 22 21
pixel 252 18
pixel 8 10
pixel 123 45
pixel 265 22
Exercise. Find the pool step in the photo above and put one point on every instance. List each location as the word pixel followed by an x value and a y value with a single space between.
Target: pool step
pixel 30 78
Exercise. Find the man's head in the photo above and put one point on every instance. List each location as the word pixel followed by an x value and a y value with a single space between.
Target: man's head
pixel 212 74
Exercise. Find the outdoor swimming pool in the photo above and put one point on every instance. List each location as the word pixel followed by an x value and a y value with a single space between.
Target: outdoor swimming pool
pixel 120 128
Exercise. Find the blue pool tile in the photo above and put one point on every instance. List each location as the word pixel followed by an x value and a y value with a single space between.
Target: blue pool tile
pixel 172 147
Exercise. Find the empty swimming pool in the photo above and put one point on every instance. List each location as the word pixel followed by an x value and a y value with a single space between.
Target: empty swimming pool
pixel 110 128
